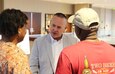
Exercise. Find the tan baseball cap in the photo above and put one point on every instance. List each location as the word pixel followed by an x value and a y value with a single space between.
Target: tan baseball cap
pixel 84 17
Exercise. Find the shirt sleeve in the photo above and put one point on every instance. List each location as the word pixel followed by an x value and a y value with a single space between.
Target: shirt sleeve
pixel 64 65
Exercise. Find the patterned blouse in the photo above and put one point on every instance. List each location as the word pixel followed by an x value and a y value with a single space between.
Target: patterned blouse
pixel 12 59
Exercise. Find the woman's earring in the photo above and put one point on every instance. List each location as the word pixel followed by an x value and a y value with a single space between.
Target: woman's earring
pixel 18 32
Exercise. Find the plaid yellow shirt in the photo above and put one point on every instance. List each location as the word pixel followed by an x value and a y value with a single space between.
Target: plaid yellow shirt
pixel 13 59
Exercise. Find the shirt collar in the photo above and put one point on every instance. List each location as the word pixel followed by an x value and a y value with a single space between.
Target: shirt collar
pixel 53 40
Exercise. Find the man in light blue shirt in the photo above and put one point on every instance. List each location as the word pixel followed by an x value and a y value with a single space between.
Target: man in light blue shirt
pixel 46 49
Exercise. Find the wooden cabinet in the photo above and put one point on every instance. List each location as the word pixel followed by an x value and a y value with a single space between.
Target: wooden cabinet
pixel 34 26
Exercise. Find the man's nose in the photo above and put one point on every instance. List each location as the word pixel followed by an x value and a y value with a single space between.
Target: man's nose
pixel 55 28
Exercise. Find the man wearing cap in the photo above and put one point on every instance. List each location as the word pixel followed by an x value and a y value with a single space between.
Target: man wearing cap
pixel 90 55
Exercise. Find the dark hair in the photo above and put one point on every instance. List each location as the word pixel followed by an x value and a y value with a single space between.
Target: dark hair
pixel 10 21
pixel 60 15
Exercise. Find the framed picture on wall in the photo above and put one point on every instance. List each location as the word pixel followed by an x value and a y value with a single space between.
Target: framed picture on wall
pixel 47 21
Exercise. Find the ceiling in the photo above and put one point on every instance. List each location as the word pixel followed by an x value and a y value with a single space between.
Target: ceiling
pixel 110 4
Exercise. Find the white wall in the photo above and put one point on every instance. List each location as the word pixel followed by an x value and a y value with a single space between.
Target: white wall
pixel 39 6
pixel 107 16
pixel 113 23
pixel 107 23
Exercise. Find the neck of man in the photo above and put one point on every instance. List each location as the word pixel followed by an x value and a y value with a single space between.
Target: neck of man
pixel 92 37
pixel 58 38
